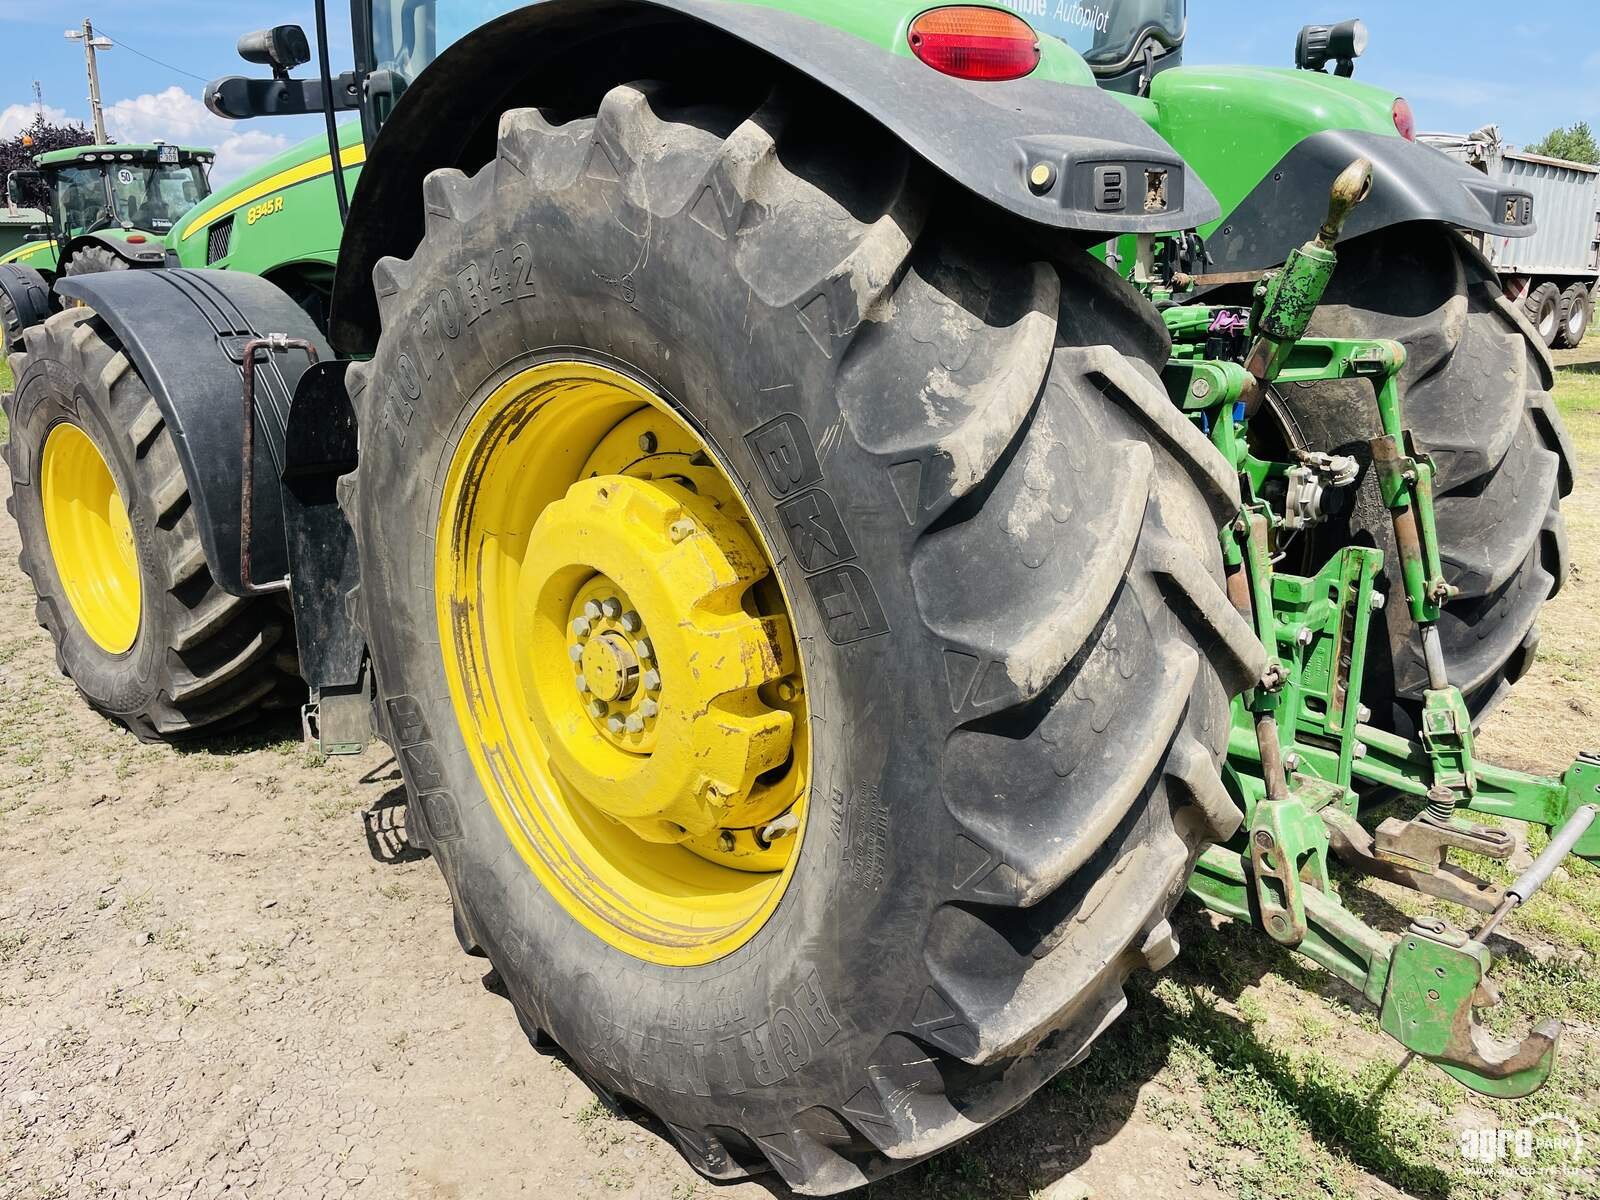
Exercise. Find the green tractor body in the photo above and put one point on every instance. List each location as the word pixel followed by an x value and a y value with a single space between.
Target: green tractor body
pixel 280 221
pixel 842 511
pixel 124 199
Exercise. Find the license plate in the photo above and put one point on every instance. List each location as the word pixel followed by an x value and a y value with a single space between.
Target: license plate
pixel 167 154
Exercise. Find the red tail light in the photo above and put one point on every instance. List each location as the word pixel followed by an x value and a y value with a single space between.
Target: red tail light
pixel 975 43
pixel 1404 122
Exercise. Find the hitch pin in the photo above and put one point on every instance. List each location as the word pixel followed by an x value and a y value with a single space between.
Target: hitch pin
pixel 1535 877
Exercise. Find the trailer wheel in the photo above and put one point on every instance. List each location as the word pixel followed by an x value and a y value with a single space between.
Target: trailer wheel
pixel 111 546
pixel 1577 309
pixel 798 618
pixel 1543 307
pixel 1476 391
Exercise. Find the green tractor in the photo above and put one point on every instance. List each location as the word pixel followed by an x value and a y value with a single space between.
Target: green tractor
pixel 107 207
pixel 841 520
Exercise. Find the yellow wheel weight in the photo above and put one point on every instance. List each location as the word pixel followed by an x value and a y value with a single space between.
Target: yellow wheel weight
pixel 91 538
pixel 622 663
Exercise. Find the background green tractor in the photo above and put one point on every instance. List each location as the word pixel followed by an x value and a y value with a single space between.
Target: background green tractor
pixel 822 612
pixel 107 208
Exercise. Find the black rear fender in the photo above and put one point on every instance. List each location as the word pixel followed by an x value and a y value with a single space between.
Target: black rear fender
pixel 564 55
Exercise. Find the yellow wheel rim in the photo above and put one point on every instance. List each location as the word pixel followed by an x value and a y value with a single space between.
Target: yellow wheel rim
pixel 622 662
pixel 91 538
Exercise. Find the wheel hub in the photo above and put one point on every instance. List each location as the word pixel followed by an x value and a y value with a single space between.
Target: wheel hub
pixel 91 538
pixel 620 657
pixel 612 668
pixel 660 658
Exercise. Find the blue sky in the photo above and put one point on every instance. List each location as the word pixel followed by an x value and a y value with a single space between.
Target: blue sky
pixel 1528 67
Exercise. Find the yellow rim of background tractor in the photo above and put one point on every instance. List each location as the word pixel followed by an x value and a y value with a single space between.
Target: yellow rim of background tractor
pixel 91 538
pixel 622 662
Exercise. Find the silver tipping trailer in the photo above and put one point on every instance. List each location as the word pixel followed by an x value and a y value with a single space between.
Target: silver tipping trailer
pixel 1554 272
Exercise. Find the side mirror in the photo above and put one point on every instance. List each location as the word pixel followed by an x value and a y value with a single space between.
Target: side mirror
pixel 18 186
pixel 283 48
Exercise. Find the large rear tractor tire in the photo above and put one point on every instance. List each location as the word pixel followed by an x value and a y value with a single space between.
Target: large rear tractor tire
pixel 798 618
pixel 110 543
pixel 1476 392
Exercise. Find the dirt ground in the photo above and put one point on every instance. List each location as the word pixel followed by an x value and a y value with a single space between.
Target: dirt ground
pixel 224 971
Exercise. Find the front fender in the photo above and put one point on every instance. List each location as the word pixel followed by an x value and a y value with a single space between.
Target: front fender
pixel 984 137
pixel 185 332
pixel 29 293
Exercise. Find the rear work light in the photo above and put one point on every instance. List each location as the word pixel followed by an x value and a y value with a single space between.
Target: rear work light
pixel 1404 122
pixel 975 43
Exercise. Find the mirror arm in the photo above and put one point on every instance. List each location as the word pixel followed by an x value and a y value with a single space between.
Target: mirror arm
pixel 236 98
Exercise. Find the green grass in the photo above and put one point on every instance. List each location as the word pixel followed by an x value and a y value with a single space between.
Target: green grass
pixel 1578 392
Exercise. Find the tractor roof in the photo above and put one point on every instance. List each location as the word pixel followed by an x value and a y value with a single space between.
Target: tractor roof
pixel 146 153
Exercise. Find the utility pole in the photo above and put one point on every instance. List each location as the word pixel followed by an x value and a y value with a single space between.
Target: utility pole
pixel 90 45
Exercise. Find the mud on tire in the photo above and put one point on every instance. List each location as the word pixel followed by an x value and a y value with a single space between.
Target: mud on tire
pixel 1020 655
pixel 1476 392
pixel 201 658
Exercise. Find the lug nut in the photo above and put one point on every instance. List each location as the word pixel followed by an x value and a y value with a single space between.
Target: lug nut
pixel 647 442
pixel 644 649
pixel 592 610
pixel 583 685
pixel 575 652
pixel 652 681
pixel 649 710
pixel 726 841
pixel 615 724
pixel 631 622
pixel 611 607
pixel 679 530
pixel 581 627
pixel 597 709
pixel 788 691
pixel 634 723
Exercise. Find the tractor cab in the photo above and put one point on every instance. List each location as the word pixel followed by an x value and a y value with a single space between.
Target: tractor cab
pixel 124 193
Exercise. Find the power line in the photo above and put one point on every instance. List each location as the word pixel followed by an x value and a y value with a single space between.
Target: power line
pixel 152 58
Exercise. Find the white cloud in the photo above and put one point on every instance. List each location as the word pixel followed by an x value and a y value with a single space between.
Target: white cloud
pixel 176 116
pixel 14 118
